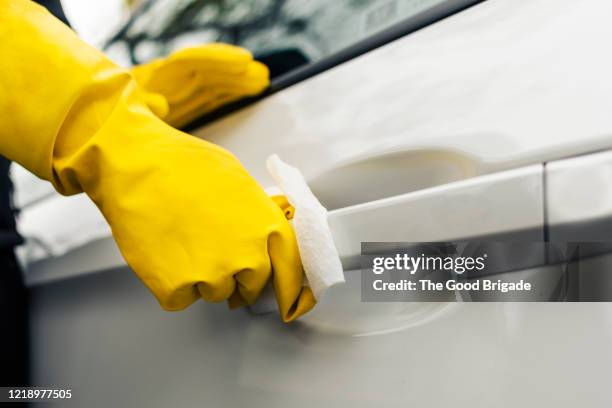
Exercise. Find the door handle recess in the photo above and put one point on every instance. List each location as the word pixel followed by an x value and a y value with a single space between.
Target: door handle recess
pixel 387 174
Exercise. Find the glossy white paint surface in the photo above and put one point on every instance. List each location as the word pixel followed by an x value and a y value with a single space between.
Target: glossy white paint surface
pixel 105 336
pixel 580 189
pixel 500 86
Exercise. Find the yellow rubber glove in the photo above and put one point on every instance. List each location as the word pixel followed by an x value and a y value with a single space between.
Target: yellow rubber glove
pixel 197 80
pixel 187 217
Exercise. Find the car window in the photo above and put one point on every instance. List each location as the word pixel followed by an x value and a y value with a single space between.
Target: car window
pixel 284 34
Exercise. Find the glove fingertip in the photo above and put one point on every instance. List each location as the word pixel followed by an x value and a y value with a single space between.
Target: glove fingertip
pixel 303 304
pixel 236 301
pixel 258 76
pixel 284 205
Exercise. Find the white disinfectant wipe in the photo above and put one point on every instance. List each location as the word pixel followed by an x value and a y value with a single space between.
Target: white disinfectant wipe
pixel 317 250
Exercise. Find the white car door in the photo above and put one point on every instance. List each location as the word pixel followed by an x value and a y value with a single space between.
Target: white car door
pixel 454 131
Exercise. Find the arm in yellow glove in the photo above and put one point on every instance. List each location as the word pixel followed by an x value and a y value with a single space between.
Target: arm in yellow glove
pixel 187 217
pixel 197 80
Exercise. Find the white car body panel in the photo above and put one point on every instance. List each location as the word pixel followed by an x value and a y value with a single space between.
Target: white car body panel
pixel 493 91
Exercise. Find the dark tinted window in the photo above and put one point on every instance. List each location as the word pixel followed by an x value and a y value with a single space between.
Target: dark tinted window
pixel 285 34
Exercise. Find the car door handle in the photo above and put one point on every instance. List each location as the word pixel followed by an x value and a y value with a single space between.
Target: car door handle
pixel 498 203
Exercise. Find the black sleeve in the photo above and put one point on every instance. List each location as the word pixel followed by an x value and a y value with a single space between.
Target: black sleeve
pixel 8 233
pixel 55 8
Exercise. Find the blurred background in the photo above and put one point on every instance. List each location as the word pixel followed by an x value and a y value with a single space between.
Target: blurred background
pixel 302 31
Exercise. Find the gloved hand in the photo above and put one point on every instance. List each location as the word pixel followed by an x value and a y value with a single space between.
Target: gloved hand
pixel 197 80
pixel 187 217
